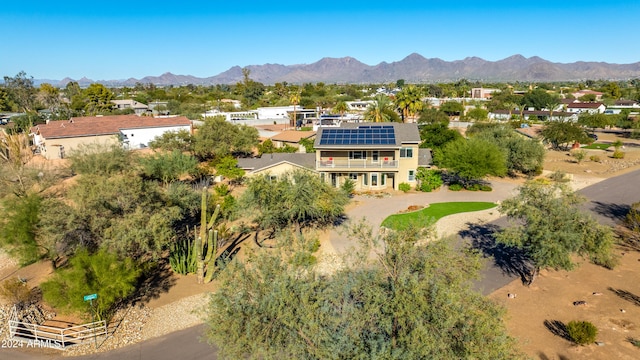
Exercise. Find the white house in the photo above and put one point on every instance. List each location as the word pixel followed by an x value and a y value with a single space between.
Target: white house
pixel 586 107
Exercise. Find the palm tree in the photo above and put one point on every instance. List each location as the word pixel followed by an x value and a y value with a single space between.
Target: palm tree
pixel 376 112
pixel 294 98
pixel 409 101
pixel 341 107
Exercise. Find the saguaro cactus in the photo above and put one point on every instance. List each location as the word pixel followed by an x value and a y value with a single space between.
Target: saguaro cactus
pixel 206 240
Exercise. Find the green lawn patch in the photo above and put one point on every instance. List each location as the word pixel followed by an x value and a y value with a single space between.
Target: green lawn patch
pixel 423 218
pixel 597 146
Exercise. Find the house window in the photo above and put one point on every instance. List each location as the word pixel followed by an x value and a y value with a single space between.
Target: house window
pixel 374 179
pixel 406 152
pixel 357 155
pixel 412 175
pixel 353 176
pixel 375 155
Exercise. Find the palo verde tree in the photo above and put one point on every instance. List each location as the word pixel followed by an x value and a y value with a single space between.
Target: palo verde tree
pixel 396 297
pixel 218 138
pixel 550 228
pixel 298 199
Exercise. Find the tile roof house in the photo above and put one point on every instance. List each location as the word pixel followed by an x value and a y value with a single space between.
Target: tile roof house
pixel 56 139
pixel 376 156
pixel 291 138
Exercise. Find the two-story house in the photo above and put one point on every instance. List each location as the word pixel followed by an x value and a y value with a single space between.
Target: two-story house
pixel 376 156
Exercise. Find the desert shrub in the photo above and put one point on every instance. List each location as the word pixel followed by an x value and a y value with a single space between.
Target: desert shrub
pixel 101 273
pixel 428 180
pixel 595 158
pixel 485 188
pixel 635 342
pixel 632 219
pixel 455 187
pixel 635 134
pixel 16 292
pixel 582 332
pixel 618 154
pixel 349 186
pixel 579 155
pixel 559 176
pixel 404 187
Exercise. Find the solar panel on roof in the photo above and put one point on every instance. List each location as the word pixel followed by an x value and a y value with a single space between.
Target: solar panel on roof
pixel 363 135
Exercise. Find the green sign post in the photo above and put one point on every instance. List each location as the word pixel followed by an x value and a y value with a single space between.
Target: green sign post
pixel 90 299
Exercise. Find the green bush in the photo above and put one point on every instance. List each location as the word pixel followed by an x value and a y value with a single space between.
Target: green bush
pixel 485 188
pixel 455 187
pixel 579 155
pixel 428 180
pixel 349 186
pixel 618 154
pixel 473 187
pixel 404 187
pixel 559 176
pixel 582 332
pixel 101 273
pixel 595 158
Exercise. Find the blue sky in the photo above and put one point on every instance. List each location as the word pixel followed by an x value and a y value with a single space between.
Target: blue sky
pixel 121 39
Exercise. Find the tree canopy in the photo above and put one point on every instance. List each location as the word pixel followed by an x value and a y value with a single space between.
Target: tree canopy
pixel 472 159
pixel 410 300
pixel 562 134
pixel 550 228
pixel 219 138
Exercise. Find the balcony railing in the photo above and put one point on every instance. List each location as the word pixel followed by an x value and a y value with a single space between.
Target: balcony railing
pixel 356 164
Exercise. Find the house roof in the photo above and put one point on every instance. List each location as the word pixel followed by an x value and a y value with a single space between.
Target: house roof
pixel 584 105
pixel 293 136
pixel 403 134
pixel 424 157
pixel 625 102
pixel 103 125
pixel 306 160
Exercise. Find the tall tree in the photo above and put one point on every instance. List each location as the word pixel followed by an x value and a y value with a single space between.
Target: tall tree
pixel 21 91
pixel 294 98
pixel 379 110
pixel 98 99
pixel 341 107
pixel 551 229
pixel 561 134
pixel 409 101
pixel 472 159
pixel 219 138
pixel 397 297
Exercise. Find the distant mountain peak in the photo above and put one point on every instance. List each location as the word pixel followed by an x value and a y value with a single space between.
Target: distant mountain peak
pixel 414 68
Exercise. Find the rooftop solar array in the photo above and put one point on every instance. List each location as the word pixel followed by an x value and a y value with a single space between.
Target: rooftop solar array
pixel 362 135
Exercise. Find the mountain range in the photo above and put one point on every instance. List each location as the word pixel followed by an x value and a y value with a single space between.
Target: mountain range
pixel 413 69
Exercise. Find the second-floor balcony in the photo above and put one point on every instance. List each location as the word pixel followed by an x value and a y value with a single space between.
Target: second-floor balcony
pixel 356 164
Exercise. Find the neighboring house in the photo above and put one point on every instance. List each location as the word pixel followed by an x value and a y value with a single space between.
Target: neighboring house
pixel 581 93
pixel 504 115
pixel 138 107
pixel 482 93
pixel 277 164
pixel 586 107
pixel 376 156
pixel 360 105
pixel 291 138
pixel 57 139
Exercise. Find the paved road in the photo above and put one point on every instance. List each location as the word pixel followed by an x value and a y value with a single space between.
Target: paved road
pixel 609 200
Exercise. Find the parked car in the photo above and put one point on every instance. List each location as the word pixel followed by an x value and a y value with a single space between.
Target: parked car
pixel 593 136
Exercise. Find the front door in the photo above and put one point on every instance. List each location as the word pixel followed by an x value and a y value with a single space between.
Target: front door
pixel 334 179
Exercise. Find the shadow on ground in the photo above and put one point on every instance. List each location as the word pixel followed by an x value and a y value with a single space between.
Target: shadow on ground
pixel 612 211
pixel 557 328
pixel 625 295
pixel 512 261
pixel 157 282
